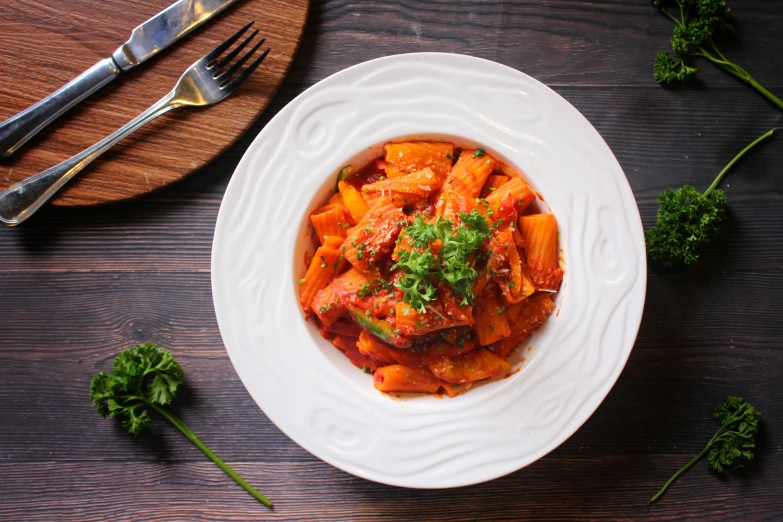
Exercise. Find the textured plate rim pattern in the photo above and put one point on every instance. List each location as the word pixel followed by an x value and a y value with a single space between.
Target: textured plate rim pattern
pixel 309 389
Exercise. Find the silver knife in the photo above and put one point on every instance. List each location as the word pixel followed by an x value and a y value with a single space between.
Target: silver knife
pixel 146 41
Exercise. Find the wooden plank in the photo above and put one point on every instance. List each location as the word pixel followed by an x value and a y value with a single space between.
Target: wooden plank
pixel 552 490
pixel 560 42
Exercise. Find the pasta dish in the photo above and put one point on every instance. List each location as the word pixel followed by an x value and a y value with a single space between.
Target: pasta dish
pixel 433 263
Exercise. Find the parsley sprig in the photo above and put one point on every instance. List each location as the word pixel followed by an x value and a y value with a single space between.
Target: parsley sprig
pixel 688 220
pixel 699 24
pixel 144 379
pixel 732 444
pixel 453 265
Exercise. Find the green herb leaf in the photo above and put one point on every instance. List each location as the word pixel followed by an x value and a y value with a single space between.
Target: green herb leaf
pixel 668 70
pixel 731 446
pixel 145 378
pixel 452 265
pixel 698 26
pixel 688 220
pixel 417 283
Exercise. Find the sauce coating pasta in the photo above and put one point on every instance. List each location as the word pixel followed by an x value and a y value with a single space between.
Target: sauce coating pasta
pixel 431 267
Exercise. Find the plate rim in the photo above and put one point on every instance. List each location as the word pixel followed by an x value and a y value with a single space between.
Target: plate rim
pixel 633 324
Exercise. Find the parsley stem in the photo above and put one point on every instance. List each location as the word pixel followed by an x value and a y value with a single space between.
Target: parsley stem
pixel 737 158
pixel 682 470
pixel 739 72
pixel 673 18
pixel 187 432
pixel 771 97
pixel 717 51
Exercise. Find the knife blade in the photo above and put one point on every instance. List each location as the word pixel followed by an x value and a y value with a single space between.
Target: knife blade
pixel 146 41
pixel 164 29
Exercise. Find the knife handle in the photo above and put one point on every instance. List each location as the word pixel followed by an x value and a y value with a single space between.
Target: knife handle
pixel 20 201
pixel 15 131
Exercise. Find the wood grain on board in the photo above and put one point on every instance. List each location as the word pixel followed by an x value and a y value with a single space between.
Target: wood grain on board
pixel 79 284
pixel 46 43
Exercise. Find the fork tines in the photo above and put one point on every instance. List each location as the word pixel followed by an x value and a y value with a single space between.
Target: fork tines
pixel 218 66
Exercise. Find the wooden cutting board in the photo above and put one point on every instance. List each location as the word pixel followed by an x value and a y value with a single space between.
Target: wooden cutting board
pixel 46 43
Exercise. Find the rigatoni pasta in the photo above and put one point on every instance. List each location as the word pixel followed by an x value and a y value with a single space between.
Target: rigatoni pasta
pixel 540 234
pixel 433 264
pixel 353 200
pixel 330 220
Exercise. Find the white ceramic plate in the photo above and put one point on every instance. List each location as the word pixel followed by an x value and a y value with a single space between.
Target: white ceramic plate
pixel 309 389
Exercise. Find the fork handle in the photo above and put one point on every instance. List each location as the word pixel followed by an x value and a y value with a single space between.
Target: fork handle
pixel 15 131
pixel 19 201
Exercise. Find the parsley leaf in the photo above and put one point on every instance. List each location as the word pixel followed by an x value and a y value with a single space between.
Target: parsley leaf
pixel 417 285
pixel 688 219
pixel 452 266
pixel 732 444
pixel 697 30
pixel 423 233
pixel 146 378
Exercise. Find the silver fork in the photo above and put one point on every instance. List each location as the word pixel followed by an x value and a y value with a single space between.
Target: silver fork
pixel 206 82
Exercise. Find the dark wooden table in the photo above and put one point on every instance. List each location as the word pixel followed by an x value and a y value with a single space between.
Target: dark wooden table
pixel 78 285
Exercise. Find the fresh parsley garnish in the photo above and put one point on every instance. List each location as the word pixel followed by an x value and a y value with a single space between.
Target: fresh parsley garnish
pixel 700 24
pixel 143 379
pixel 687 219
pixel 731 445
pixel 422 270
pixel 479 153
pixel 417 284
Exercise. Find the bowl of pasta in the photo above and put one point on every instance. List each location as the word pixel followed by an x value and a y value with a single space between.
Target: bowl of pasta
pixel 428 270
